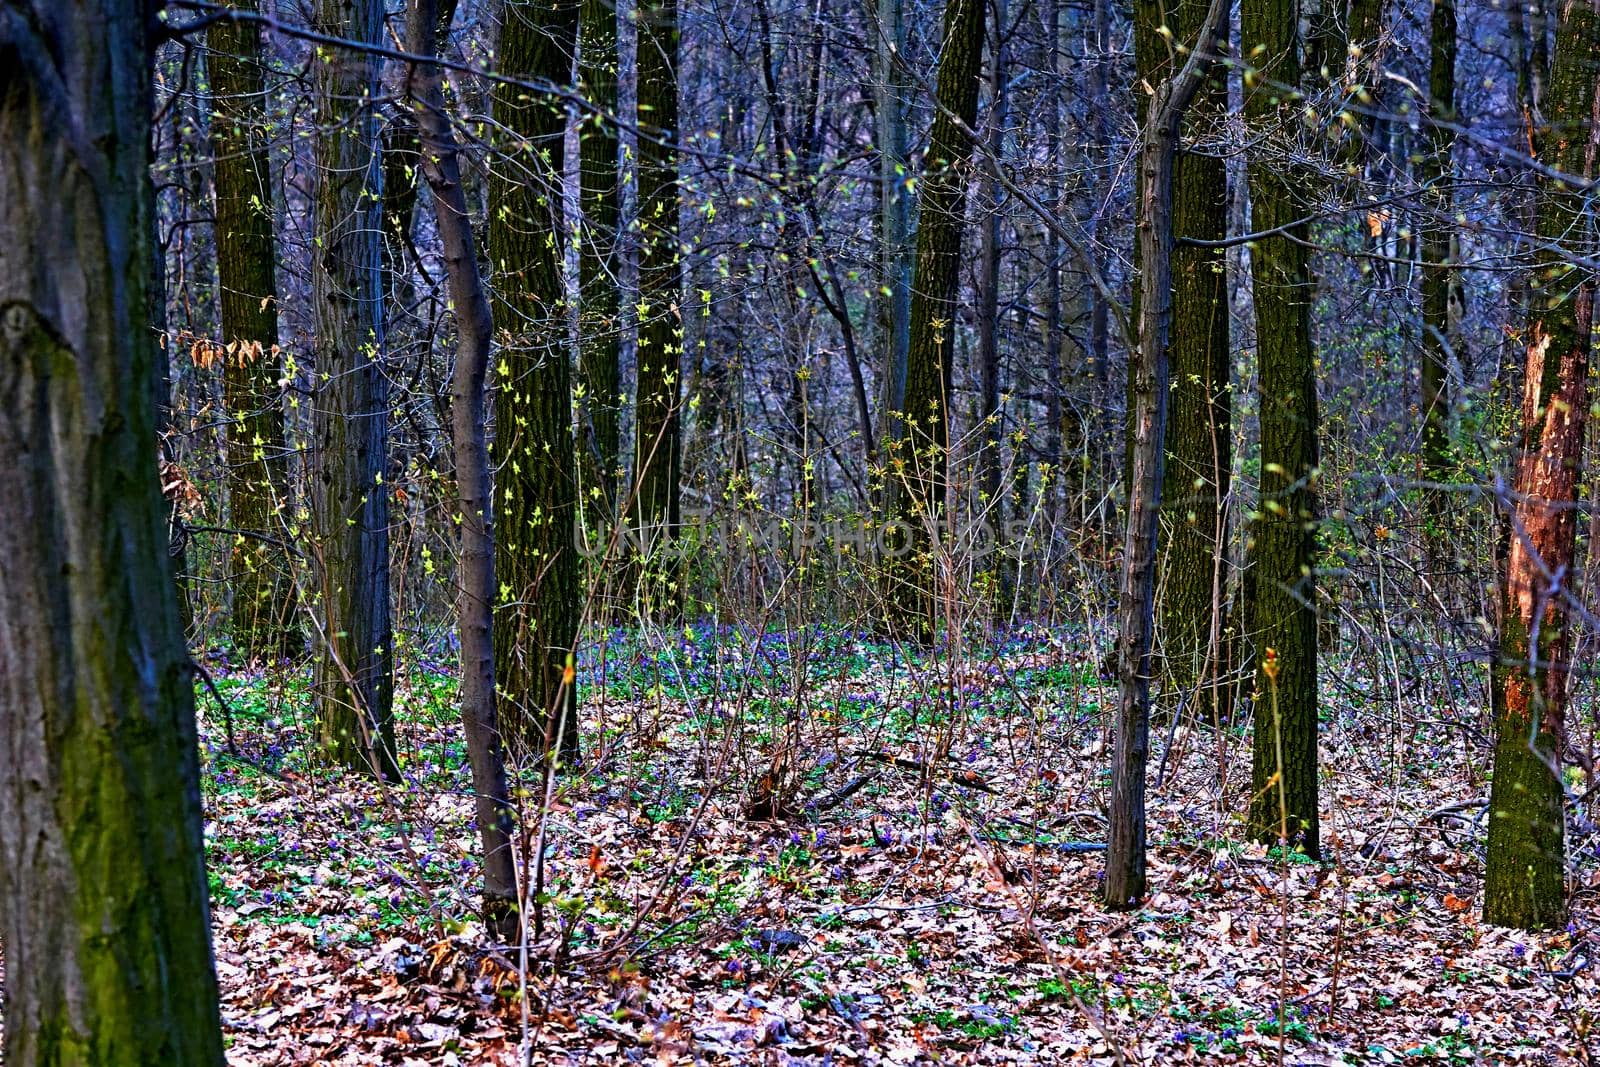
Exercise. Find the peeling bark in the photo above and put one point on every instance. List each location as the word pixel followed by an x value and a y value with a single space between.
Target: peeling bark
pixel 1524 878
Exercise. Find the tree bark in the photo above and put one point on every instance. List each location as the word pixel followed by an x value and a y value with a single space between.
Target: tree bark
pixel 990 254
pixel 918 457
pixel 1524 879
pixel 264 617
pixel 103 909
pixel 891 83
pixel 1438 270
pixel 1062 481
pixel 1158 147
pixel 475 587
pixel 1199 434
pixel 1282 543
pixel 599 266
pixel 350 500
pixel 533 450
pixel 657 428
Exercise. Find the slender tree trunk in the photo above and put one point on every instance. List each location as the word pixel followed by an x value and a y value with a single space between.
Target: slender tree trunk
pixel 475 586
pixel 658 388
pixel 1199 434
pixel 988 311
pixel 264 618
pixel 1060 477
pixel 1524 877
pixel 1099 432
pixel 892 82
pixel 1282 541
pixel 599 267
pixel 1438 270
pixel 103 909
pixel 919 457
pixel 1158 147
pixel 537 557
pixel 349 498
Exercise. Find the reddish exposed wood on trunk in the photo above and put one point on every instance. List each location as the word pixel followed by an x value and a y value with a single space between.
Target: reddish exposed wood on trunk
pixel 1545 523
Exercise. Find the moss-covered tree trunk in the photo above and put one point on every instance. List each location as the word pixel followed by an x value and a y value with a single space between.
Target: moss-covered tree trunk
pixel 918 458
pixel 657 428
pixel 103 910
pixel 1282 536
pixel 350 426
pixel 264 621
pixel 537 485
pixel 1524 880
pixel 1199 437
pixel 599 265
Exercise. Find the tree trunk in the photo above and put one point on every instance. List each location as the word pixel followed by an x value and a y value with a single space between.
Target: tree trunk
pixel 264 619
pixel 1158 145
pixel 988 311
pixel 1199 437
pixel 103 909
pixel 599 265
pixel 1524 878
pixel 1282 543
pixel 1438 271
pixel 475 587
pixel 1100 500
pixel 892 85
pixel 1060 478
pixel 350 501
pixel 657 429
pixel 919 456
pixel 533 450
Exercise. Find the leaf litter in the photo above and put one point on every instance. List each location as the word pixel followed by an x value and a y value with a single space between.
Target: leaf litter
pixel 932 896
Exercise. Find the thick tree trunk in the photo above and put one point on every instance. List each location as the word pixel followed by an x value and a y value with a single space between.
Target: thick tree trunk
pixel 657 430
pixel 919 457
pixel 1282 541
pixel 1199 434
pixel 533 451
pixel 264 618
pixel 1525 874
pixel 599 265
pixel 350 500
pixel 475 586
pixel 1158 146
pixel 103 909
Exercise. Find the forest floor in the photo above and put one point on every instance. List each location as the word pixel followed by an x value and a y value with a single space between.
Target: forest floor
pixel 930 898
